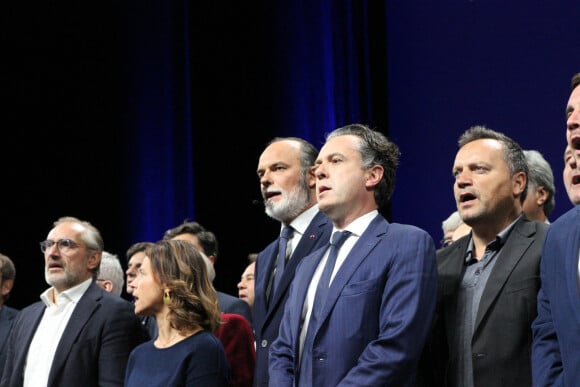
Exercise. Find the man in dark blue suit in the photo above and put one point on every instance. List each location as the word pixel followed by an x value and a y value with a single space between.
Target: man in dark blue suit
pixel 78 334
pixel 288 187
pixel 368 324
pixel 556 342
pixel 7 314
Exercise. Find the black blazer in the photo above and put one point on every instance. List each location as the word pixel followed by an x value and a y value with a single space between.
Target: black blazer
pixel 7 317
pixel 502 338
pixel 94 348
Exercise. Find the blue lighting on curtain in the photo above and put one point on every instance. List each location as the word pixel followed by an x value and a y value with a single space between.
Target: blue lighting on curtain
pixel 322 53
pixel 161 177
pixel 317 69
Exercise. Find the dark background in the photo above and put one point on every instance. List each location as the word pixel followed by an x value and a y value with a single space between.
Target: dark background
pixel 138 116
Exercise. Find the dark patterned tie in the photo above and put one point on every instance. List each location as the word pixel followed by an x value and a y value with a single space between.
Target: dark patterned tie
pixel 286 234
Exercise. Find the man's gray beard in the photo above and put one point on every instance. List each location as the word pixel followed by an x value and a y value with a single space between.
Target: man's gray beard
pixel 292 205
pixel 67 282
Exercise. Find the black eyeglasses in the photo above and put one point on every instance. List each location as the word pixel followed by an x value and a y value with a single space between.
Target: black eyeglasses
pixel 65 246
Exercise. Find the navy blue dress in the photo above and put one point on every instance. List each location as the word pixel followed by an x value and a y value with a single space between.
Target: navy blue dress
pixel 198 361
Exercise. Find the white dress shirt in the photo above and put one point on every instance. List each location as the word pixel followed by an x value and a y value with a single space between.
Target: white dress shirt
pixel 49 332
pixel 357 228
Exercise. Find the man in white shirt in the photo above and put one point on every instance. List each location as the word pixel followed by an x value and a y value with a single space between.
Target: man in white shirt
pixel 78 334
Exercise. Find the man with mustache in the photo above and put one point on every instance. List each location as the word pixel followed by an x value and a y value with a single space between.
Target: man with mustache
pixel 78 334
pixel 488 279
pixel 288 185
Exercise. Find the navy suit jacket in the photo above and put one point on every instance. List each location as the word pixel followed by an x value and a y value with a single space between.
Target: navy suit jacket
pixel 376 317
pixel 230 304
pixel 94 348
pixel 267 319
pixel 556 346
pixel 502 338
pixel 7 316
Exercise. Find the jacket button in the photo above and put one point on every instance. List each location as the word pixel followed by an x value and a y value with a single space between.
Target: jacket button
pixel 264 343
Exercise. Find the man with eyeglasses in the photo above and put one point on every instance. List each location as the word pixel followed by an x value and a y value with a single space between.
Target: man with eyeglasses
pixel 78 334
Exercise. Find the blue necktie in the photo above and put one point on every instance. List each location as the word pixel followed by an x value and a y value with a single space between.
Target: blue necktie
pixel 282 255
pixel 336 241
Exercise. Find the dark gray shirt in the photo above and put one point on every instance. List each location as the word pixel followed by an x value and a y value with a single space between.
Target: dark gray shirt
pixel 475 276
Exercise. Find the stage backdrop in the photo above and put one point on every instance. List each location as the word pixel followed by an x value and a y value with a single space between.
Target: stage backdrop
pixel 139 115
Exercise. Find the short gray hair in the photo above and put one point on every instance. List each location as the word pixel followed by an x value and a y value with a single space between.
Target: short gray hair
pixel 452 222
pixel 111 270
pixel 540 175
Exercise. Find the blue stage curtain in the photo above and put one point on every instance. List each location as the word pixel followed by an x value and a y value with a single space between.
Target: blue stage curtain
pixel 211 76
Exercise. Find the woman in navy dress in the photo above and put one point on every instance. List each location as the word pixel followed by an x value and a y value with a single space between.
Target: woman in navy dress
pixel 173 286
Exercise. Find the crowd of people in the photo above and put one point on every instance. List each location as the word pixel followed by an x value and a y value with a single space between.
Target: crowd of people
pixel 341 297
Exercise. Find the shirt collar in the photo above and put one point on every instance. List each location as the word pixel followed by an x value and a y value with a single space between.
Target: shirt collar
pixel 496 244
pixel 360 224
pixel 302 221
pixel 73 294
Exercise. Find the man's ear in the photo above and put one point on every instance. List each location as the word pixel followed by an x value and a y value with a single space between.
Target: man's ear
pixel 6 287
pixel 374 175
pixel 94 260
pixel 311 177
pixel 519 182
pixel 542 195
pixel 107 285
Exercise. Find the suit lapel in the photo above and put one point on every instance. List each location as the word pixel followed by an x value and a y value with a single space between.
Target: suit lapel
pixel 5 317
pixel 87 305
pixel 572 264
pixel 359 252
pixel 311 237
pixel 302 281
pixel 516 245
pixel 450 265
pixel 264 266
pixel 26 335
